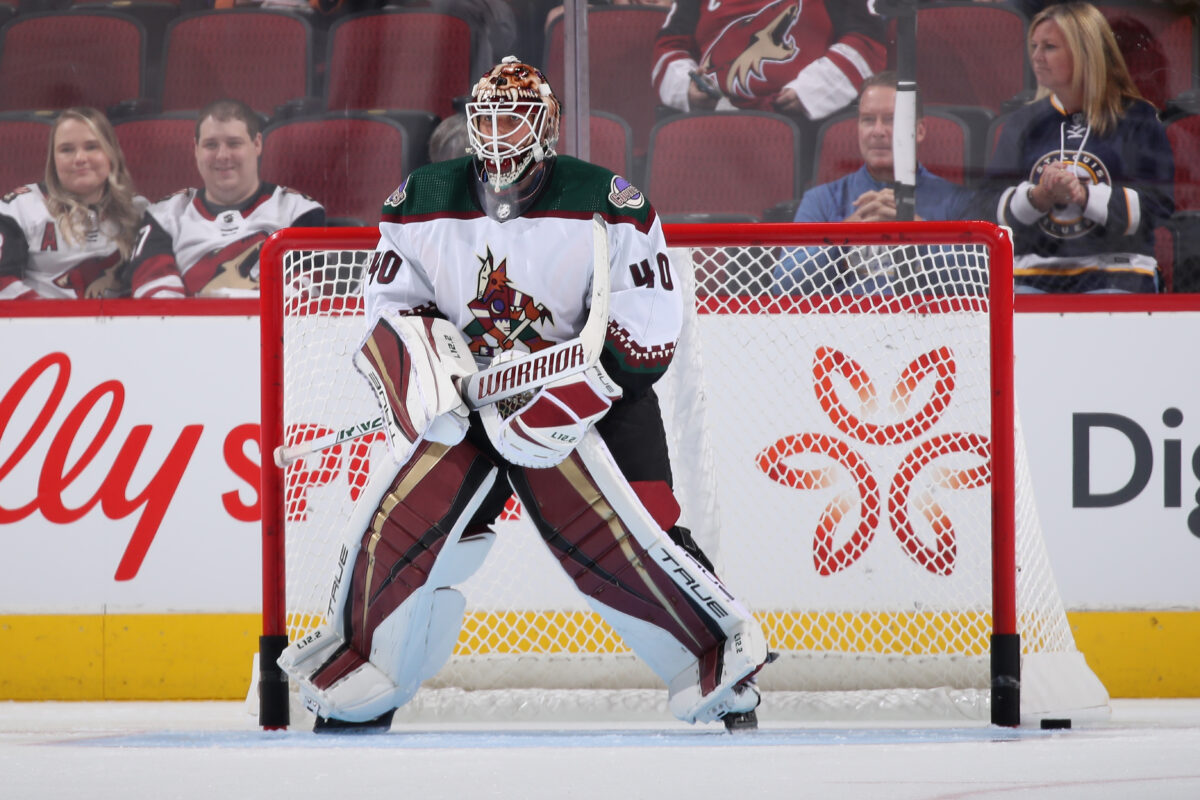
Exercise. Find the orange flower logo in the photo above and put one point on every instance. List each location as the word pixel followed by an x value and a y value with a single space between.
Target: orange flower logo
pixel 937 551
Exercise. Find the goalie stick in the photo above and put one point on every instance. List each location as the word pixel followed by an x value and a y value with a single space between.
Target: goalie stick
pixel 509 378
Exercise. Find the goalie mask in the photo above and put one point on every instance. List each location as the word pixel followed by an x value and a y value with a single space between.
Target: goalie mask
pixel 512 127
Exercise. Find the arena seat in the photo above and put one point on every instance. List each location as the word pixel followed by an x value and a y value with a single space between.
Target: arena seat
pixel 25 141
pixel 347 161
pixel 262 58
pixel 398 59
pixel 1159 46
pixel 971 54
pixel 723 163
pixel 160 152
pixel 611 143
pixel 154 15
pixel 54 60
pixel 1183 132
pixel 621 48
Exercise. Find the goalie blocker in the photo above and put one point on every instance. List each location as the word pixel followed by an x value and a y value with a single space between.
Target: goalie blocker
pixel 394 614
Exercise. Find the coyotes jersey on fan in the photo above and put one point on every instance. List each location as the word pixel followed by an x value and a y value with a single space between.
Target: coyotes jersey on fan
pixel 188 247
pixel 36 260
pixel 752 50
pixel 525 283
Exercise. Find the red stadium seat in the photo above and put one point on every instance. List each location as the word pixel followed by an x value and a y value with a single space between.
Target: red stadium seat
pixel 56 60
pixel 398 60
pixel 1184 135
pixel 160 152
pixel 262 58
pixel 946 150
pixel 723 163
pixel 621 48
pixel 348 162
pixel 611 144
pixel 25 142
pixel 971 54
pixel 1159 45
pixel 154 15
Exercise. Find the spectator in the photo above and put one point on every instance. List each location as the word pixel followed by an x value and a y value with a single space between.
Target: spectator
pixel 69 236
pixel 866 195
pixel 1083 175
pixel 206 241
pixel 449 139
pixel 806 59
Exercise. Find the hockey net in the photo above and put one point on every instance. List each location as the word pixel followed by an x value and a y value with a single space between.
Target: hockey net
pixel 835 408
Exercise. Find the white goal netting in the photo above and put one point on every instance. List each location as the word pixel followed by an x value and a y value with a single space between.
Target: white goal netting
pixel 829 410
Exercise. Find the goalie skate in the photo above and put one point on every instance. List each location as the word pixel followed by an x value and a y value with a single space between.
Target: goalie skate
pixel 744 654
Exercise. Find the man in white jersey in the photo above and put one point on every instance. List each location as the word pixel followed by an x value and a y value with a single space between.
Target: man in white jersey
pixel 206 241
pixel 483 260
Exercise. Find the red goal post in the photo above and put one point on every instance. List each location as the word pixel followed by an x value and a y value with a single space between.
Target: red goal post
pixel 733 272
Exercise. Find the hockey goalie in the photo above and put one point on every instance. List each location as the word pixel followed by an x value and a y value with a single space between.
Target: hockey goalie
pixel 516 268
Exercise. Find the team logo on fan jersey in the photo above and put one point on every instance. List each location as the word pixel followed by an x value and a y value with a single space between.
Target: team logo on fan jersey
pixel 623 194
pixel 93 277
pixel 397 197
pixel 503 314
pixel 1068 222
pixel 738 55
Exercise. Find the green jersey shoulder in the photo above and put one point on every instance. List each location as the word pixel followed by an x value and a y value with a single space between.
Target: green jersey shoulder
pixel 446 188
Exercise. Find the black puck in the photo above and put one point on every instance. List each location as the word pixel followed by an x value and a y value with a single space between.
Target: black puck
pixel 1055 724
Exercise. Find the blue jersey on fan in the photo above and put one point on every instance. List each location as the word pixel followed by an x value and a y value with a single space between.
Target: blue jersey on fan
pixel 1106 245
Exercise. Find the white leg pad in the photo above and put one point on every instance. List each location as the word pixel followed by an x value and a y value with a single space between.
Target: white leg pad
pixel 462 559
pixel 745 652
pixel 661 651
pixel 362 695
pixel 418 638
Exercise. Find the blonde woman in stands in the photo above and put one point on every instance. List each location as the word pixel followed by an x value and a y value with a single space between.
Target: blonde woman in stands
pixel 1084 174
pixel 68 236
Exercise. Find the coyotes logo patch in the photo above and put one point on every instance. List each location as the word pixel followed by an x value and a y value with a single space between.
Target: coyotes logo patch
pixel 503 314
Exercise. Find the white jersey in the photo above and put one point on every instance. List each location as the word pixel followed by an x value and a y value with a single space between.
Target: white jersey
pixel 525 283
pixel 37 260
pixel 187 246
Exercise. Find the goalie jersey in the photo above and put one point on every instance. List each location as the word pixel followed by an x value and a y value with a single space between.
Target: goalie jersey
pixel 752 49
pixel 188 246
pixel 525 283
pixel 36 260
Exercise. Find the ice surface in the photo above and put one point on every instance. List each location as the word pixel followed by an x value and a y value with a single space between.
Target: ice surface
pixel 214 751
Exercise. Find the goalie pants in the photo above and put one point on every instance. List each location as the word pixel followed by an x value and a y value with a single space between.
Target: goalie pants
pixel 429 495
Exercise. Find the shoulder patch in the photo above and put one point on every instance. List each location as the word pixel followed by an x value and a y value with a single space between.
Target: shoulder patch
pixel 397 197
pixel 289 190
pixel 623 194
pixel 15 193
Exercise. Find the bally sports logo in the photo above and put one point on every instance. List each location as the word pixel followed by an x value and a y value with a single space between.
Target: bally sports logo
pixel 909 425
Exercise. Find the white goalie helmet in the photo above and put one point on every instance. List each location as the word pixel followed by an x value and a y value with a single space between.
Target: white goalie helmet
pixel 512 121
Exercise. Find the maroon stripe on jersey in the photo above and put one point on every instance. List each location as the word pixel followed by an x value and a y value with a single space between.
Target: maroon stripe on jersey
pixel 402 218
pixel 604 560
pixel 202 209
pixel 265 192
pixel 643 226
